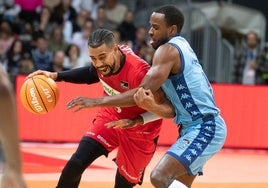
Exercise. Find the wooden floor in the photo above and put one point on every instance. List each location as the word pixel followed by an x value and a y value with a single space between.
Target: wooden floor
pixel 42 164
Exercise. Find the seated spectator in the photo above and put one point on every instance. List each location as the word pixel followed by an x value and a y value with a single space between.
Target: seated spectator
pixel 26 65
pixel 81 18
pixel 58 60
pixel 81 39
pixel 51 4
pixel 41 56
pixel 91 6
pixel 43 23
pixel 102 21
pixel 115 11
pixel 4 6
pixel 140 39
pixel 246 64
pixel 73 58
pixel 56 41
pixel 28 9
pixel 27 36
pixel 65 15
pixel 14 55
pixel 6 40
pixel 127 28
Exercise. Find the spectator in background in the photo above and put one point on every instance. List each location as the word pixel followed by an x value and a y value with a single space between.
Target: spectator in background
pixel 146 52
pixel 127 28
pixel 102 21
pixel 140 39
pixel 42 57
pixel 51 4
pixel 64 14
pixel 73 58
pixel 56 41
pixel 58 60
pixel 26 64
pixel 4 6
pixel 81 18
pixel 6 40
pixel 14 56
pixel 28 9
pixel 43 23
pixel 81 39
pixel 115 11
pixel 91 6
pixel 262 70
pixel 246 66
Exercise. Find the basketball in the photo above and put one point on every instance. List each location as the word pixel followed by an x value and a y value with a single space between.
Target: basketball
pixel 39 94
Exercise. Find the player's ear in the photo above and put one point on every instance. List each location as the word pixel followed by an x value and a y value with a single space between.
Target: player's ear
pixel 115 47
pixel 173 30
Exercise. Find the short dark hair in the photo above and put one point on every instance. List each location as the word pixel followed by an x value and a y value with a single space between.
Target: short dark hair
pixel 173 16
pixel 101 36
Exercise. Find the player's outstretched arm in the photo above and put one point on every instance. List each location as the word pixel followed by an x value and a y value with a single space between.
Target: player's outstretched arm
pixel 82 75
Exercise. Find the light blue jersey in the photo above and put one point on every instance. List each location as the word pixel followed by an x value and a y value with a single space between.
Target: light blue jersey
pixel 189 90
pixel 203 130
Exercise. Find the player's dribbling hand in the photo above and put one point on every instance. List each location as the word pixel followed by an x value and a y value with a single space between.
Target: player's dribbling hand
pixel 125 123
pixel 52 75
pixel 81 102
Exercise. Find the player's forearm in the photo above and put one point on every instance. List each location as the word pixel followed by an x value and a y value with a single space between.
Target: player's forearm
pixel 122 100
pixel 164 110
pixel 83 75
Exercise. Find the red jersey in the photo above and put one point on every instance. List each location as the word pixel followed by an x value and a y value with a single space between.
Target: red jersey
pixel 129 77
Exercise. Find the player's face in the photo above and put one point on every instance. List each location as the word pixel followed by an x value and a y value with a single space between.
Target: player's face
pixel 159 30
pixel 104 59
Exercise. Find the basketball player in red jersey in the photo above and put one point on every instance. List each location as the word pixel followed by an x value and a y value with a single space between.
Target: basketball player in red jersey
pixel 118 69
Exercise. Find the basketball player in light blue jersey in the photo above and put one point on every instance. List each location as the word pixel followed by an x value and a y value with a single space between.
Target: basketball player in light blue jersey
pixel 202 129
pixel 176 70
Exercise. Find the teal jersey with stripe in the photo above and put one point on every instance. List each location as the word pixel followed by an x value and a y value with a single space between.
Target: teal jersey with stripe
pixel 189 90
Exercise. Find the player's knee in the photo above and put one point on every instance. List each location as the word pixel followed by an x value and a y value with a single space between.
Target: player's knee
pixel 159 179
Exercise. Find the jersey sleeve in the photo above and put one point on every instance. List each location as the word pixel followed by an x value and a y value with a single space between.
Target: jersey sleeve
pixel 83 75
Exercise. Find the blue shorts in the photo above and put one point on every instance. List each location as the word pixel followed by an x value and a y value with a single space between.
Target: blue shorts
pixel 198 142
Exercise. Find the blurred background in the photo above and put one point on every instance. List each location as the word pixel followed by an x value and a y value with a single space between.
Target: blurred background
pixel 229 37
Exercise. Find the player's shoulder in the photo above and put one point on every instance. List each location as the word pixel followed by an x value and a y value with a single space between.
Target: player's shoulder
pixel 166 51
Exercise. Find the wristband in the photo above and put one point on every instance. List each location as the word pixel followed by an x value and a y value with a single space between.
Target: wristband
pixel 149 117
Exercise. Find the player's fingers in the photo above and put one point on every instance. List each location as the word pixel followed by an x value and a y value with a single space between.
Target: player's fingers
pixel 38 72
pixel 113 124
pixel 74 102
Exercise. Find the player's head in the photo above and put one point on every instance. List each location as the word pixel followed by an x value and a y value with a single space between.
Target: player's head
pixel 166 22
pixel 104 52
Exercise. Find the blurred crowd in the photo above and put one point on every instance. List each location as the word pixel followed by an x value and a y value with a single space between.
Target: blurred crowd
pixel 251 62
pixel 53 35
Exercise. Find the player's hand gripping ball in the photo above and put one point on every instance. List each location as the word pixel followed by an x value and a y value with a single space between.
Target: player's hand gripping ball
pixel 39 94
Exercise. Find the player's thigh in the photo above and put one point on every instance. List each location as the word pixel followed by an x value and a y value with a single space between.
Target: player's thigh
pixel 133 156
pixel 105 136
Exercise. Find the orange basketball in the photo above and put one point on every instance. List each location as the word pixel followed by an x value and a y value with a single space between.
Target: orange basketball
pixel 39 94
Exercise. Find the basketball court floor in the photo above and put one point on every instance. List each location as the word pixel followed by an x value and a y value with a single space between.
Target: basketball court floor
pixel 231 168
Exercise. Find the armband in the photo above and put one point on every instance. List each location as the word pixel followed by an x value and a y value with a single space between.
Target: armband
pixel 149 117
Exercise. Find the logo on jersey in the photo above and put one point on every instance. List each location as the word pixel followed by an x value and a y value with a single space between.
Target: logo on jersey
pixel 124 84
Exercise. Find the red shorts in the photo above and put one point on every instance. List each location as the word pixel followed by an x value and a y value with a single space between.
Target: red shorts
pixel 136 146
